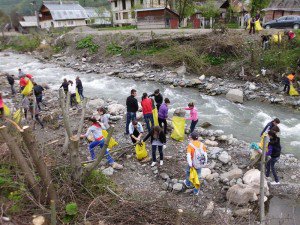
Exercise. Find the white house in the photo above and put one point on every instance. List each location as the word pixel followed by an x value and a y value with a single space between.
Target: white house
pixel 62 14
pixel 123 10
pixel 97 16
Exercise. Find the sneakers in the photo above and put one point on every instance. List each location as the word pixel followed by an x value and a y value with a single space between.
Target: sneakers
pixel 153 164
pixel 161 163
pixel 187 186
pixel 274 183
pixel 116 166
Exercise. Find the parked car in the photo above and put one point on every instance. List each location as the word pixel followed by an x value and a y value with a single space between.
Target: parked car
pixel 284 22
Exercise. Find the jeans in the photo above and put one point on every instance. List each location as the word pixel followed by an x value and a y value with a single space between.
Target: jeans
pixel 39 99
pixel 163 121
pixel 252 28
pixel 161 154
pixel 94 144
pixel 286 88
pixel 130 116
pixel 80 92
pixel 193 125
pixel 13 90
pixel 73 100
pixel 187 178
pixel 271 165
pixel 149 118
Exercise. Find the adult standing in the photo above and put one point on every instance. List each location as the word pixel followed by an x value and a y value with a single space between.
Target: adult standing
pixel 79 87
pixel 158 98
pixel 20 73
pixel 11 81
pixel 65 86
pixel 274 150
pixel 38 92
pixel 72 90
pixel 270 125
pixel 132 107
pixel 252 26
pixel 193 116
pixel 163 114
pixel 23 82
pixel 147 111
pixel 246 18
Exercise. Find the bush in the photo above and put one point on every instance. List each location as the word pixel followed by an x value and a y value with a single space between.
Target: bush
pixel 87 43
pixel 24 43
pixel 114 49
pixel 96 183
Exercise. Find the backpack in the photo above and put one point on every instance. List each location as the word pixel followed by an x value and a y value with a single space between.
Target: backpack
pixel 200 156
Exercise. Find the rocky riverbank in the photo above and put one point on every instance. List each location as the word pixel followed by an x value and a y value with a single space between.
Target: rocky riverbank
pixel 228 178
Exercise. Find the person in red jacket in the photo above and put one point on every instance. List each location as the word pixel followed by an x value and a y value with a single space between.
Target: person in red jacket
pixel 147 111
pixel 23 82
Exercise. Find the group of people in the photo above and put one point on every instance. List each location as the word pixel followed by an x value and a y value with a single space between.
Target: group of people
pixel 69 86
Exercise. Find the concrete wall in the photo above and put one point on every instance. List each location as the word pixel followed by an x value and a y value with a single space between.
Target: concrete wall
pixel 62 23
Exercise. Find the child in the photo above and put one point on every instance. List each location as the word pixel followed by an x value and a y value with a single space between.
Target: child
pixel 193 116
pixel 1 107
pixel 158 140
pixel 163 114
pixel 104 118
pixel 194 145
pixel 274 150
pixel 135 131
pixel 96 130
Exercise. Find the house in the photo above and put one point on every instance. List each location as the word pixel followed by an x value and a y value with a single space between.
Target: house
pixel 27 23
pixel 279 8
pixel 62 14
pixel 155 18
pixel 97 16
pixel 123 10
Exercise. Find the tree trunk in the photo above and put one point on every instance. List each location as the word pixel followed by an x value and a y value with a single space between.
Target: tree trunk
pixel 81 122
pixel 22 163
pixel 75 159
pixel 32 146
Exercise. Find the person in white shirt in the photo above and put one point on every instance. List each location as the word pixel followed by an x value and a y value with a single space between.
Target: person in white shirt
pixel 72 90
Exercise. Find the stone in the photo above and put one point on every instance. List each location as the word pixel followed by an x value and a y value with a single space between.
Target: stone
pixel 181 70
pixel 165 186
pixel 96 103
pixel 252 87
pixel 209 209
pixel 235 95
pixel 174 181
pixel 205 125
pixel 205 172
pixel 252 178
pixel 178 187
pixel 179 112
pixel 214 150
pixel 212 176
pixel 224 157
pixel 223 138
pixel 139 75
pixel 195 82
pixel 155 171
pixel 242 212
pixel 164 176
pixel 209 86
pixel 154 168
pixel 241 194
pixel 232 174
pixel 212 165
pixel 211 143
pixel 232 182
pixel 293 177
pixel 108 171
pixel 218 132
pixel 39 220
pixel 202 77
pixel 116 109
pixel 115 118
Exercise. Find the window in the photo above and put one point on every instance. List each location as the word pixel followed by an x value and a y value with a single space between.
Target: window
pixel 70 22
pixel 125 15
pixel 132 15
pixel 124 4
pixel 290 18
pixel 117 16
pixel 116 3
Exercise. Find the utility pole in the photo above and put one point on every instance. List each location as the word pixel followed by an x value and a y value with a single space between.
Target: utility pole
pixel 262 184
pixel 36 13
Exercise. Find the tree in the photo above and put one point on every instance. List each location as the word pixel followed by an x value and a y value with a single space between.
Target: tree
pixel 209 9
pixel 184 8
pixel 258 5
pixel 4 19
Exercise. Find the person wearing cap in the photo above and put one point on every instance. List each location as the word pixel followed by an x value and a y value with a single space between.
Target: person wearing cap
pixel 270 125
pixel 158 98
pixel 104 118
pixel 135 131
pixel 96 131
pixel 194 143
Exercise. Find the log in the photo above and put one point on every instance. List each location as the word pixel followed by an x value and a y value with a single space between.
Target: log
pixel 21 161
pixel 32 146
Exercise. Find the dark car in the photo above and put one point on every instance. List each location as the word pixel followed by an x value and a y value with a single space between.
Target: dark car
pixel 284 22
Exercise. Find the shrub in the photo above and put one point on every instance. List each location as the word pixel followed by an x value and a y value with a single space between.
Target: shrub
pixel 114 49
pixel 87 43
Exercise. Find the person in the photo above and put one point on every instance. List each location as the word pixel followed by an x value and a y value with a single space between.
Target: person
pixel 38 92
pixel 136 131
pixel 266 41
pixel 65 86
pixel 193 116
pixel 132 108
pixel 147 111
pixel 1 107
pixel 257 16
pixel 274 150
pixel 163 115
pixel 290 34
pixel 11 81
pixel 270 125
pixel 158 98
pixel 72 90
pixel 25 105
pixel 252 25
pixel 20 73
pixel 104 118
pixel 34 111
pixel 96 131
pixel 79 87
pixel 287 82
pixel 158 140
pixel 23 82
pixel 246 18
pixel 194 145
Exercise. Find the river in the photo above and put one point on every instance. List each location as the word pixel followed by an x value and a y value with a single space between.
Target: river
pixel 244 121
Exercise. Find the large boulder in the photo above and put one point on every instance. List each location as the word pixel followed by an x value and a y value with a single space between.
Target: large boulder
pixel 179 112
pixel 224 157
pixel 252 178
pixel 241 194
pixel 232 174
pixel 96 103
pixel 205 172
pixel 235 95
pixel 116 109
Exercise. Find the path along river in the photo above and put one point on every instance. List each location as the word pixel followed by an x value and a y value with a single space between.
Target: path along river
pixel 244 121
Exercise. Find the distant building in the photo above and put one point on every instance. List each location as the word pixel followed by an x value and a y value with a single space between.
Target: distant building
pixel 155 18
pixel 27 23
pixel 97 16
pixel 279 8
pixel 62 14
pixel 123 10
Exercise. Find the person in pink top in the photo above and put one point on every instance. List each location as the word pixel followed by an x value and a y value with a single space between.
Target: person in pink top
pixel 1 106
pixel 193 116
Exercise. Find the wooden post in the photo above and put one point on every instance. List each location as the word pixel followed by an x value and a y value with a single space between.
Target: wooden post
pixel 28 173
pixel 91 167
pixel 211 22
pixel 262 184
pixel 81 122
pixel 179 217
pixel 53 212
pixel 32 146
pixel 75 159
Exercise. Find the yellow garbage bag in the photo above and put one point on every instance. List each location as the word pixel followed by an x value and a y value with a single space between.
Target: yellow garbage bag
pixel 276 38
pixel 178 131
pixel 28 88
pixel 6 110
pixel 155 117
pixel 257 25
pixel 17 116
pixel 112 143
pixel 141 151
pixel 78 99
pixel 293 91
pixel 248 24
pixel 194 179
pixel 261 143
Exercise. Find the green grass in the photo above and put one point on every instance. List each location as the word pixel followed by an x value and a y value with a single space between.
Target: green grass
pixel 232 26
pixel 87 43
pixel 129 27
pixel 22 43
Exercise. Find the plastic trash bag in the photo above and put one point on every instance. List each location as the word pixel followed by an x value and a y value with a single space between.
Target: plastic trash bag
pixel 78 99
pixel 140 150
pixel 276 38
pixel 155 117
pixel 178 131
pixel 17 116
pixel 6 110
pixel 28 88
pixel 257 25
pixel 293 91
pixel 194 179
pixel 112 143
